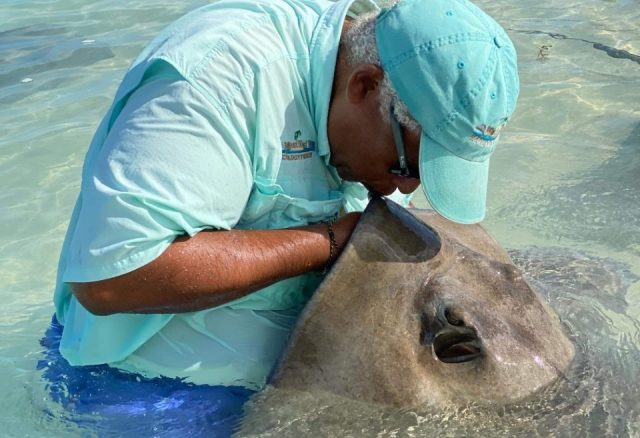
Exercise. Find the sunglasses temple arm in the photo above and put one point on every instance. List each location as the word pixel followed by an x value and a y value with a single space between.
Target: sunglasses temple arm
pixel 397 137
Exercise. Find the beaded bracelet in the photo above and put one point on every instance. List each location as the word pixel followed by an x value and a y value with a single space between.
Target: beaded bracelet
pixel 333 245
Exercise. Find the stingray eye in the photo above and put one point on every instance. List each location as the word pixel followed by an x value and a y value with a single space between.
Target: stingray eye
pixel 426 337
pixel 453 319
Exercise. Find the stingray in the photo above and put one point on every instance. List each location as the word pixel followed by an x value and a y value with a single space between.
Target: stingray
pixel 420 310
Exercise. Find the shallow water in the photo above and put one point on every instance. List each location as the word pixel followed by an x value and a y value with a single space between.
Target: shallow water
pixel 565 179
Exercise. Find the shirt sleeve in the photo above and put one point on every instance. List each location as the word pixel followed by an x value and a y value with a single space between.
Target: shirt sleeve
pixel 170 165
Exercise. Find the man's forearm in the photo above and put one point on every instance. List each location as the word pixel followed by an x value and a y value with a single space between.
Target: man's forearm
pixel 212 268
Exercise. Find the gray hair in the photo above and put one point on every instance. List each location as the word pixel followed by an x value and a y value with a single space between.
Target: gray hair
pixel 359 43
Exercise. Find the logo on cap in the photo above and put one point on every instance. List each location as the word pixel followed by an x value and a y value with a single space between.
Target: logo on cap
pixel 486 135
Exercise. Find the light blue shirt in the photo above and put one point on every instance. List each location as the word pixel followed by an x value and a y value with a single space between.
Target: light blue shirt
pixel 220 123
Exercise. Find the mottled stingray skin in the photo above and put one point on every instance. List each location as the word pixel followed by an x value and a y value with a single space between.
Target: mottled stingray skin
pixel 421 310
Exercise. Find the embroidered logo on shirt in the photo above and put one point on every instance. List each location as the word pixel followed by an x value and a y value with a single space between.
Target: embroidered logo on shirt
pixel 298 149
pixel 486 135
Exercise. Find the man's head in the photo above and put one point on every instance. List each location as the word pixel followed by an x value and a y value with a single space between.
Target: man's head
pixel 448 72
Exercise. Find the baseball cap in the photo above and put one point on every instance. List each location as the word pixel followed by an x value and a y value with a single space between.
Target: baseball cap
pixel 455 68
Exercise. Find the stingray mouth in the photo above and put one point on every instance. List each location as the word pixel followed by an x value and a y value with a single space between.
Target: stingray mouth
pixel 456 346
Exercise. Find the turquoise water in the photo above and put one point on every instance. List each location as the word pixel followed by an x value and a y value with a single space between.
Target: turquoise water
pixel 566 176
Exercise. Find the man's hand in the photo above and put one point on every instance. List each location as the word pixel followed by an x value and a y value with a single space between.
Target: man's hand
pixel 343 227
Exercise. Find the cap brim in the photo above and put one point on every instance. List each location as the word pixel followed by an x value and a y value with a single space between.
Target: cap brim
pixel 455 188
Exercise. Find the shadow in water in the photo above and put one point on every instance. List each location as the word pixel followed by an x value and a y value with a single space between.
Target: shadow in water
pixel 602 207
pixel 610 51
pixel 80 57
pixel 35 30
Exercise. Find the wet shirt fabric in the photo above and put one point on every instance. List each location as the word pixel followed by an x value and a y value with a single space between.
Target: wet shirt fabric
pixel 220 123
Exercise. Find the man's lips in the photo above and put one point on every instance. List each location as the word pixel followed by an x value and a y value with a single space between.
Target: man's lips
pixel 380 189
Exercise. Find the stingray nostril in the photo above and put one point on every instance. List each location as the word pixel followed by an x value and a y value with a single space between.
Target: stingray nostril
pixel 453 319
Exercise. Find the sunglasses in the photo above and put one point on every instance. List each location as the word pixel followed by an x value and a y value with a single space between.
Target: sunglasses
pixel 401 168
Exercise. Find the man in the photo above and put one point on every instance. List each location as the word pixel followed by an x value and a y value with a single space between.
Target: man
pixel 236 138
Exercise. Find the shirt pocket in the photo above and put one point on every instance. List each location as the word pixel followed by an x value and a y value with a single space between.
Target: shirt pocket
pixel 269 207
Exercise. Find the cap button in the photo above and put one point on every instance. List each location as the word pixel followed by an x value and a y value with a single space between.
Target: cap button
pixel 498 41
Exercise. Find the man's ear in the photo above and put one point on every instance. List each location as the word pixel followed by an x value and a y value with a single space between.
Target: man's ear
pixel 364 82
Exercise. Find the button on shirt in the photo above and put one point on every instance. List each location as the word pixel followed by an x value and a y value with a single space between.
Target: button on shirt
pixel 220 123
